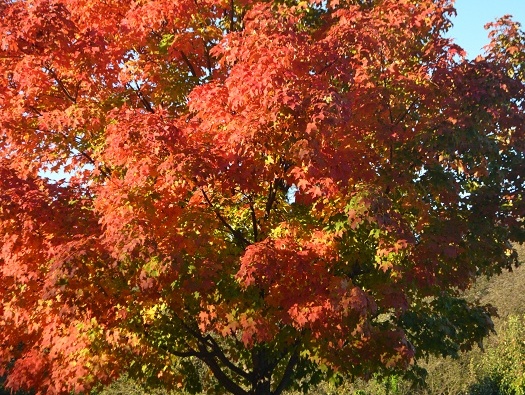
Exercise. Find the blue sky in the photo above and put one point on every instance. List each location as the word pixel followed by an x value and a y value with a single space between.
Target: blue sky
pixel 472 15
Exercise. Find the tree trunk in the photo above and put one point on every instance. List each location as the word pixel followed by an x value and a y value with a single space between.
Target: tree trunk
pixel 261 383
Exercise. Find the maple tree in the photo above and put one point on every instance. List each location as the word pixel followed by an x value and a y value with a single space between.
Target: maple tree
pixel 281 191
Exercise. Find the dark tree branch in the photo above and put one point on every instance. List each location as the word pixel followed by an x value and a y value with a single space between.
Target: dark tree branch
pixel 288 371
pixel 35 110
pixel 190 352
pixel 262 372
pixel 89 158
pixel 77 89
pixel 209 358
pixel 326 67
pixel 189 64
pixel 82 153
pixel 208 60
pixel 254 220
pixel 145 102
pixel 92 161
pixel 222 358
pixel 238 235
pixel 272 194
pixel 222 377
pixel 232 15
pixel 208 341
pixel 390 115
pixel 61 85
pixel 403 116
pixel 185 354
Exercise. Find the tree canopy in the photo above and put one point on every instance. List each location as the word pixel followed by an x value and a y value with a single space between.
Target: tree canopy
pixel 269 193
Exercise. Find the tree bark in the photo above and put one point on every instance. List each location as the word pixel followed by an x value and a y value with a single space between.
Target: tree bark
pixel 262 372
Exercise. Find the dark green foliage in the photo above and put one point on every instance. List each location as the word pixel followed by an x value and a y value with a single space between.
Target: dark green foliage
pixel 502 368
pixel 446 325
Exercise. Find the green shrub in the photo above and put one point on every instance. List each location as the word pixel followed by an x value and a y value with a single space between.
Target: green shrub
pixel 501 370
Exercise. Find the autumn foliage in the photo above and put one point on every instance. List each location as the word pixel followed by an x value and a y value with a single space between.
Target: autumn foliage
pixel 280 191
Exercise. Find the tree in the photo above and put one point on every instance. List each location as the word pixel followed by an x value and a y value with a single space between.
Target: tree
pixel 286 191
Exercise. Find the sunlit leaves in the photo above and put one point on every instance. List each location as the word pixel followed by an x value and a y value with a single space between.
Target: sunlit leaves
pixel 287 191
